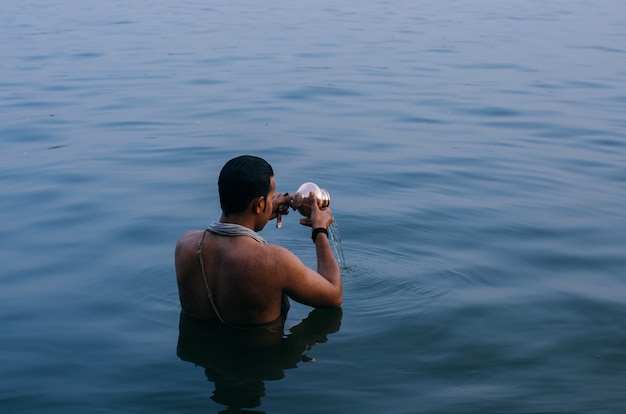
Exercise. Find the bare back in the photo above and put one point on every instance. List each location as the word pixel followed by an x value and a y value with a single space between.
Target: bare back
pixel 242 275
pixel 249 282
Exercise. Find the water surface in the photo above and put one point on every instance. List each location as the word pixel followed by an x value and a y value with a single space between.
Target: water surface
pixel 473 150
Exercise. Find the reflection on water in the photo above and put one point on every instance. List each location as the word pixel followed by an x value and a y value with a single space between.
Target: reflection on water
pixel 238 361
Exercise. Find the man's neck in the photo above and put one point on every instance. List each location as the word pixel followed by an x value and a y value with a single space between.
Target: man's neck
pixel 241 219
pixel 235 229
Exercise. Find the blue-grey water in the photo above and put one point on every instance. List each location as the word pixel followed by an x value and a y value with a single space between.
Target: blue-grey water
pixel 475 153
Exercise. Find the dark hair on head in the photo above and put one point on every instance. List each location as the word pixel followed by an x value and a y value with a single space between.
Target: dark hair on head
pixel 241 180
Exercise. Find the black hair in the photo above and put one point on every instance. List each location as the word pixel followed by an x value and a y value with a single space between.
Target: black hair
pixel 241 180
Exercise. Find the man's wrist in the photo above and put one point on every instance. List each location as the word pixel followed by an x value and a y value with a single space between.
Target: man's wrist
pixel 317 231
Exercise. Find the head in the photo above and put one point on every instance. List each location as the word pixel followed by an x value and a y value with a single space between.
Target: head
pixel 242 180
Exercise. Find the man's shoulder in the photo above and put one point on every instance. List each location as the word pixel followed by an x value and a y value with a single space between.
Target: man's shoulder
pixel 188 240
pixel 276 250
pixel 282 258
pixel 189 234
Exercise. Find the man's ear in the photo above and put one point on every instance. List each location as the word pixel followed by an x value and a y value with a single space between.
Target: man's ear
pixel 258 204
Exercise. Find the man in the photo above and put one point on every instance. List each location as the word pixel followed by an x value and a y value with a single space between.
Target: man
pixel 228 272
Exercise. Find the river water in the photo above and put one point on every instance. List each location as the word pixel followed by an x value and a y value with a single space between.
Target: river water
pixel 475 153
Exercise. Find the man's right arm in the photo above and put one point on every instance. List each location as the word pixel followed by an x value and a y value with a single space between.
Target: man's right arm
pixel 327 266
pixel 323 288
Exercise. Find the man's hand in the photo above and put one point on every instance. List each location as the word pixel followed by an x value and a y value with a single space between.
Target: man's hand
pixel 319 217
pixel 280 207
